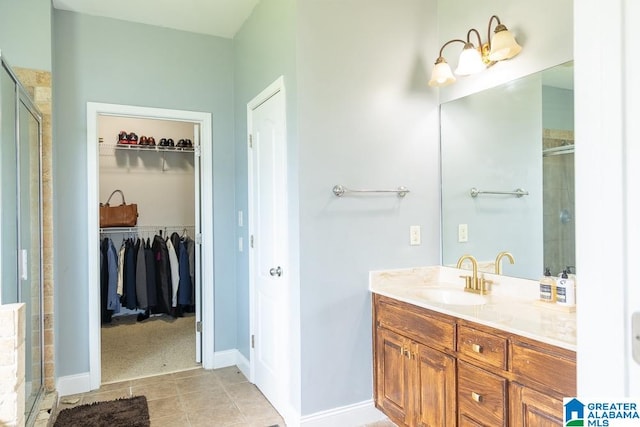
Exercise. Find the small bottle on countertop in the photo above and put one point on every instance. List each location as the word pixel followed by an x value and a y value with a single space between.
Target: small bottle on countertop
pixel 547 287
pixel 566 290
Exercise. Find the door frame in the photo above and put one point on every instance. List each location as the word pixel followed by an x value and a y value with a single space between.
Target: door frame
pixel 206 226
pixel 283 407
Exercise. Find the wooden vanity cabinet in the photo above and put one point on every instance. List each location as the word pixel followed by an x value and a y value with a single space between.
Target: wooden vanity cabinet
pixel 415 384
pixel 435 370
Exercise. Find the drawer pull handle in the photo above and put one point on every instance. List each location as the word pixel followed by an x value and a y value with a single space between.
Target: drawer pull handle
pixel 477 397
pixel 477 348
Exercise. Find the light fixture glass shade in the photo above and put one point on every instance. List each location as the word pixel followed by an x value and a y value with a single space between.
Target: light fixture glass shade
pixel 503 45
pixel 470 61
pixel 441 74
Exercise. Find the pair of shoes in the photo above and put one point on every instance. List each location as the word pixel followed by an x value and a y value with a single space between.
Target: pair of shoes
pixel 150 141
pixel 185 143
pixel 164 142
pixel 127 138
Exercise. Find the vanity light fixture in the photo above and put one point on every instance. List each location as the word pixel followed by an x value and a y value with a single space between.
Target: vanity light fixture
pixel 474 59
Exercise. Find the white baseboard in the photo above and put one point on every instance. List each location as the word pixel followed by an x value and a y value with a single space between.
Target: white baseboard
pixel 354 415
pixel 73 384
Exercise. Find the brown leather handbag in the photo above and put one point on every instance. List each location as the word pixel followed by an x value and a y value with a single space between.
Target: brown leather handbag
pixel 118 216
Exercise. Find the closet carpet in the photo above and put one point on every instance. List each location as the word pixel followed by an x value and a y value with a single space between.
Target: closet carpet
pixel 158 345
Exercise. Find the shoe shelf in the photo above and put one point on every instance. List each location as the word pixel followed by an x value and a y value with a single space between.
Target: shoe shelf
pixel 136 147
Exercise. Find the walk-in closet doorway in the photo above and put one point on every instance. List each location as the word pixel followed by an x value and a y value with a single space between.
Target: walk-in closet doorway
pixel 129 164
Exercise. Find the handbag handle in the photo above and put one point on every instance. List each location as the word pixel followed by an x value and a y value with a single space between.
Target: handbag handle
pixel 114 192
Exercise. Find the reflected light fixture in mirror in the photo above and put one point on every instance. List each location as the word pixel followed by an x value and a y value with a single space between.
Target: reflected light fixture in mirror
pixel 475 59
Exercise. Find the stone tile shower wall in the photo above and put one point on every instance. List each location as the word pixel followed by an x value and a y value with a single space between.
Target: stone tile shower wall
pixel 559 202
pixel 12 364
pixel 38 84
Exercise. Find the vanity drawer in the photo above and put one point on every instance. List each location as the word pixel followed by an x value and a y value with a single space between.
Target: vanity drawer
pixel 416 323
pixel 482 346
pixel 546 366
pixel 481 396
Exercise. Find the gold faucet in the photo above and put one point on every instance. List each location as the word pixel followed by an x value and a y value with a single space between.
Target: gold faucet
pixel 473 283
pixel 498 266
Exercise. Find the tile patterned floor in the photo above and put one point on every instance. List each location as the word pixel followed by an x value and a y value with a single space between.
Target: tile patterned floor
pixel 222 397
pixel 194 398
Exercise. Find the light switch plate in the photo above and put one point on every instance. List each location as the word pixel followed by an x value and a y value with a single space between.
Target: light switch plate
pixel 463 233
pixel 414 235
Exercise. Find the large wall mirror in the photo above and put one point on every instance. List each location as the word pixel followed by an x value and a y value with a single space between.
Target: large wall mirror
pixel 508 175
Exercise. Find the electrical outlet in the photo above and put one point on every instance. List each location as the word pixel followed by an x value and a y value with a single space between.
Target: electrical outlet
pixel 463 233
pixel 414 235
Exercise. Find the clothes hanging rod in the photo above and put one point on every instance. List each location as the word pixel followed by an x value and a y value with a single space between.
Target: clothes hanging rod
pixel 341 190
pixel 518 192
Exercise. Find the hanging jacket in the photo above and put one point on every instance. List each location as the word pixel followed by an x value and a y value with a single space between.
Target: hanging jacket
pixel 130 275
pixel 150 264
pixel 141 275
pixel 113 299
pixel 163 275
pixel 185 286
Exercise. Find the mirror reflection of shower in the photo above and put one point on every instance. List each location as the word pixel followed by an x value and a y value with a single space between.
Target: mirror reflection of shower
pixel 559 200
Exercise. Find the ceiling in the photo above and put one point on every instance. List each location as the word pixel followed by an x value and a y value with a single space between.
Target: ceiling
pixel 222 18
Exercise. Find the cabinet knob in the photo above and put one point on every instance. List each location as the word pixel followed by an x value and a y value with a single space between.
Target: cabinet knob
pixel 477 397
pixel 477 348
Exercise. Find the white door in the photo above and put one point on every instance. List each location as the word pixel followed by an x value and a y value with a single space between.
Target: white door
pixel 268 244
pixel 198 239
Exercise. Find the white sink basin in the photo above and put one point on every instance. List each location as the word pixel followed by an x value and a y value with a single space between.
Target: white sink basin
pixel 452 296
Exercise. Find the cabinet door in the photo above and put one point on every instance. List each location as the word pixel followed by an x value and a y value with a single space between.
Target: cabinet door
pixel 436 394
pixel 530 408
pixel 392 376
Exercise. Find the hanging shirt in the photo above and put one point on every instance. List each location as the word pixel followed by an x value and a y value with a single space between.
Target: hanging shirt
pixel 120 287
pixel 175 272
pixel 113 300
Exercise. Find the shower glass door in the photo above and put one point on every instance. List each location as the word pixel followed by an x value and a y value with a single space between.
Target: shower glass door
pixel 30 256
pixel 21 224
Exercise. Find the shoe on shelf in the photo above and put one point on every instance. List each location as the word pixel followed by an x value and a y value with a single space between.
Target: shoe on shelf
pixel 133 138
pixel 180 143
pixel 162 142
pixel 151 141
pixel 123 137
pixel 188 143
pixel 170 142
pixel 143 140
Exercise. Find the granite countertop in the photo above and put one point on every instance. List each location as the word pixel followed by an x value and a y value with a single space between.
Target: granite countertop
pixel 511 306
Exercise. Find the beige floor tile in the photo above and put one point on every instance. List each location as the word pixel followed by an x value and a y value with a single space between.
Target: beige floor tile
pixel 98 396
pixel 115 385
pixel 165 407
pixel 201 383
pixel 230 375
pixel 191 373
pixel 257 410
pixel 152 380
pixel 219 416
pixel 176 420
pixel 245 392
pixel 194 402
pixel 156 391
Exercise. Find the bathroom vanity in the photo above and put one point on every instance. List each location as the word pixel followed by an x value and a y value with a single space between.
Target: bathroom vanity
pixel 444 357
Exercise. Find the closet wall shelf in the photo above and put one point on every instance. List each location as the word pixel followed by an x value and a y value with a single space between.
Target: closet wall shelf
pixel 165 229
pixel 134 147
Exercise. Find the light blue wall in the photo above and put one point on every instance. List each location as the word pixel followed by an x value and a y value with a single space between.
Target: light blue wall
pixel 25 33
pixel 264 49
pixel 366 119
pixel 106 60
